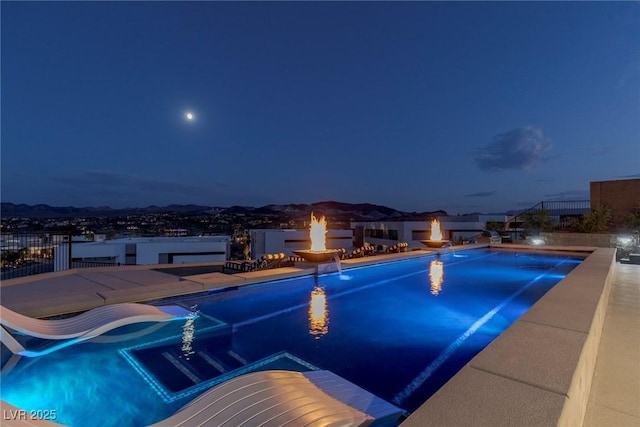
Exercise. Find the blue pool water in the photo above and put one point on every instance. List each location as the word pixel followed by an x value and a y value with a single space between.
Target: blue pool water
pixel 399 330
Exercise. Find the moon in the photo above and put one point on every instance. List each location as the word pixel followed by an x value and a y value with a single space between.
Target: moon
pixel 189 116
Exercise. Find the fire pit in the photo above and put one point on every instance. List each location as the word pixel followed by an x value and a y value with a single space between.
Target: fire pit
pixel 436 237
pixel 318 252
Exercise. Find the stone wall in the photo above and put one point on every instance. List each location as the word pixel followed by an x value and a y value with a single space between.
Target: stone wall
pixel 600 240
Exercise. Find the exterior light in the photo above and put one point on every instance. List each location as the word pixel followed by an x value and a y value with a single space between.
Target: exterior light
pixel 624 240
pixel 537 241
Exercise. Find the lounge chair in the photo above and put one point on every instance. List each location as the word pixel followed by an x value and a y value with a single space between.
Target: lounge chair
pixel 342 253
pixel 236 265
pixel 285 398
pixel 356 253
pixel 398 247
pixel 83 326
pixel 272 261
pixel 369 250
pixel 264 262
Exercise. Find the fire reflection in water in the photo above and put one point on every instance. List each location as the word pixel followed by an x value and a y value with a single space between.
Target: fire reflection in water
pixel 436 275
pixel 318 313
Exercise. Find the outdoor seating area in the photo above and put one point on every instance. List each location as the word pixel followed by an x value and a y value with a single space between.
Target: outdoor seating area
pixel 265 262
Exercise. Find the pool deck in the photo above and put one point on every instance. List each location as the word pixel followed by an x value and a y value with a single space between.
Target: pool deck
pixel 574 353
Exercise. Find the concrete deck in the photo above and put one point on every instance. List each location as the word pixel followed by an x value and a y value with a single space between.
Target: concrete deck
pixel 615 394
pixel 539 372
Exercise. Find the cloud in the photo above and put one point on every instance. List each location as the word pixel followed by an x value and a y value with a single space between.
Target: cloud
pixel 569 195
pixel 481 194
pixel 630 176
pixel 519 149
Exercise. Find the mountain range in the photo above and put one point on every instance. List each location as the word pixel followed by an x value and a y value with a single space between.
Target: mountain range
pixel 349 211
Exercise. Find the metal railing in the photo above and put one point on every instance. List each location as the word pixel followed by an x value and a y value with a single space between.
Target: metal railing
pixel 28 253
pixel 23 254
pixel 560 210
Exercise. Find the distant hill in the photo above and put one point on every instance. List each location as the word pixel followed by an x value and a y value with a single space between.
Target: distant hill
pixel 337 210
pixel 46 211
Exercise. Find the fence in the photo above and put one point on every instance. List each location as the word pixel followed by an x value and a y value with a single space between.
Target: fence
pixel 24 254
pixel 563 211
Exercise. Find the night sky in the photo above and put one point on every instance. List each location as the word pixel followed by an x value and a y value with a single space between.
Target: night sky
pixel 419 106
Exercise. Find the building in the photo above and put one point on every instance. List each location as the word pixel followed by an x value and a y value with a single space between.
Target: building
pixel 462 228
pixel 267 241
pixel 382 234
pixel 145 251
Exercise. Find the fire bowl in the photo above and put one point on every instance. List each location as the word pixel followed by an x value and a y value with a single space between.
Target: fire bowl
pixel 436 243
pixel 317 256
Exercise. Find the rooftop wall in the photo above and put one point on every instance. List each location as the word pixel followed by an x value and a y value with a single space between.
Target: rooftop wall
pixel 622 196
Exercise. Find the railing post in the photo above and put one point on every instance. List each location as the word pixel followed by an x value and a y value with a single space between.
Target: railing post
pixel 70 263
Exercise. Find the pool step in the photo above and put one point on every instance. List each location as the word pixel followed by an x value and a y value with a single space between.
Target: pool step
pixel 221 361
pixel 198 367
pixel 178 366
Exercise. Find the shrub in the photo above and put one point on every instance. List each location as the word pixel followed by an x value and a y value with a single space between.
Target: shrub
pixel 537 221
pixel 595 221
pixel 633 219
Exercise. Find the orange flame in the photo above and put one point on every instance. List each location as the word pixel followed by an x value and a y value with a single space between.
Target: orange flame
pixel 436 234
pixel 318 313
pixel 317 233
pixel 436 275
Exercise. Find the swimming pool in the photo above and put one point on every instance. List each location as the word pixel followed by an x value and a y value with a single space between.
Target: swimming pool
pixel 398 329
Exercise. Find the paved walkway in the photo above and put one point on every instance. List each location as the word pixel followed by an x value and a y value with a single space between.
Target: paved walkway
pixel 615 392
